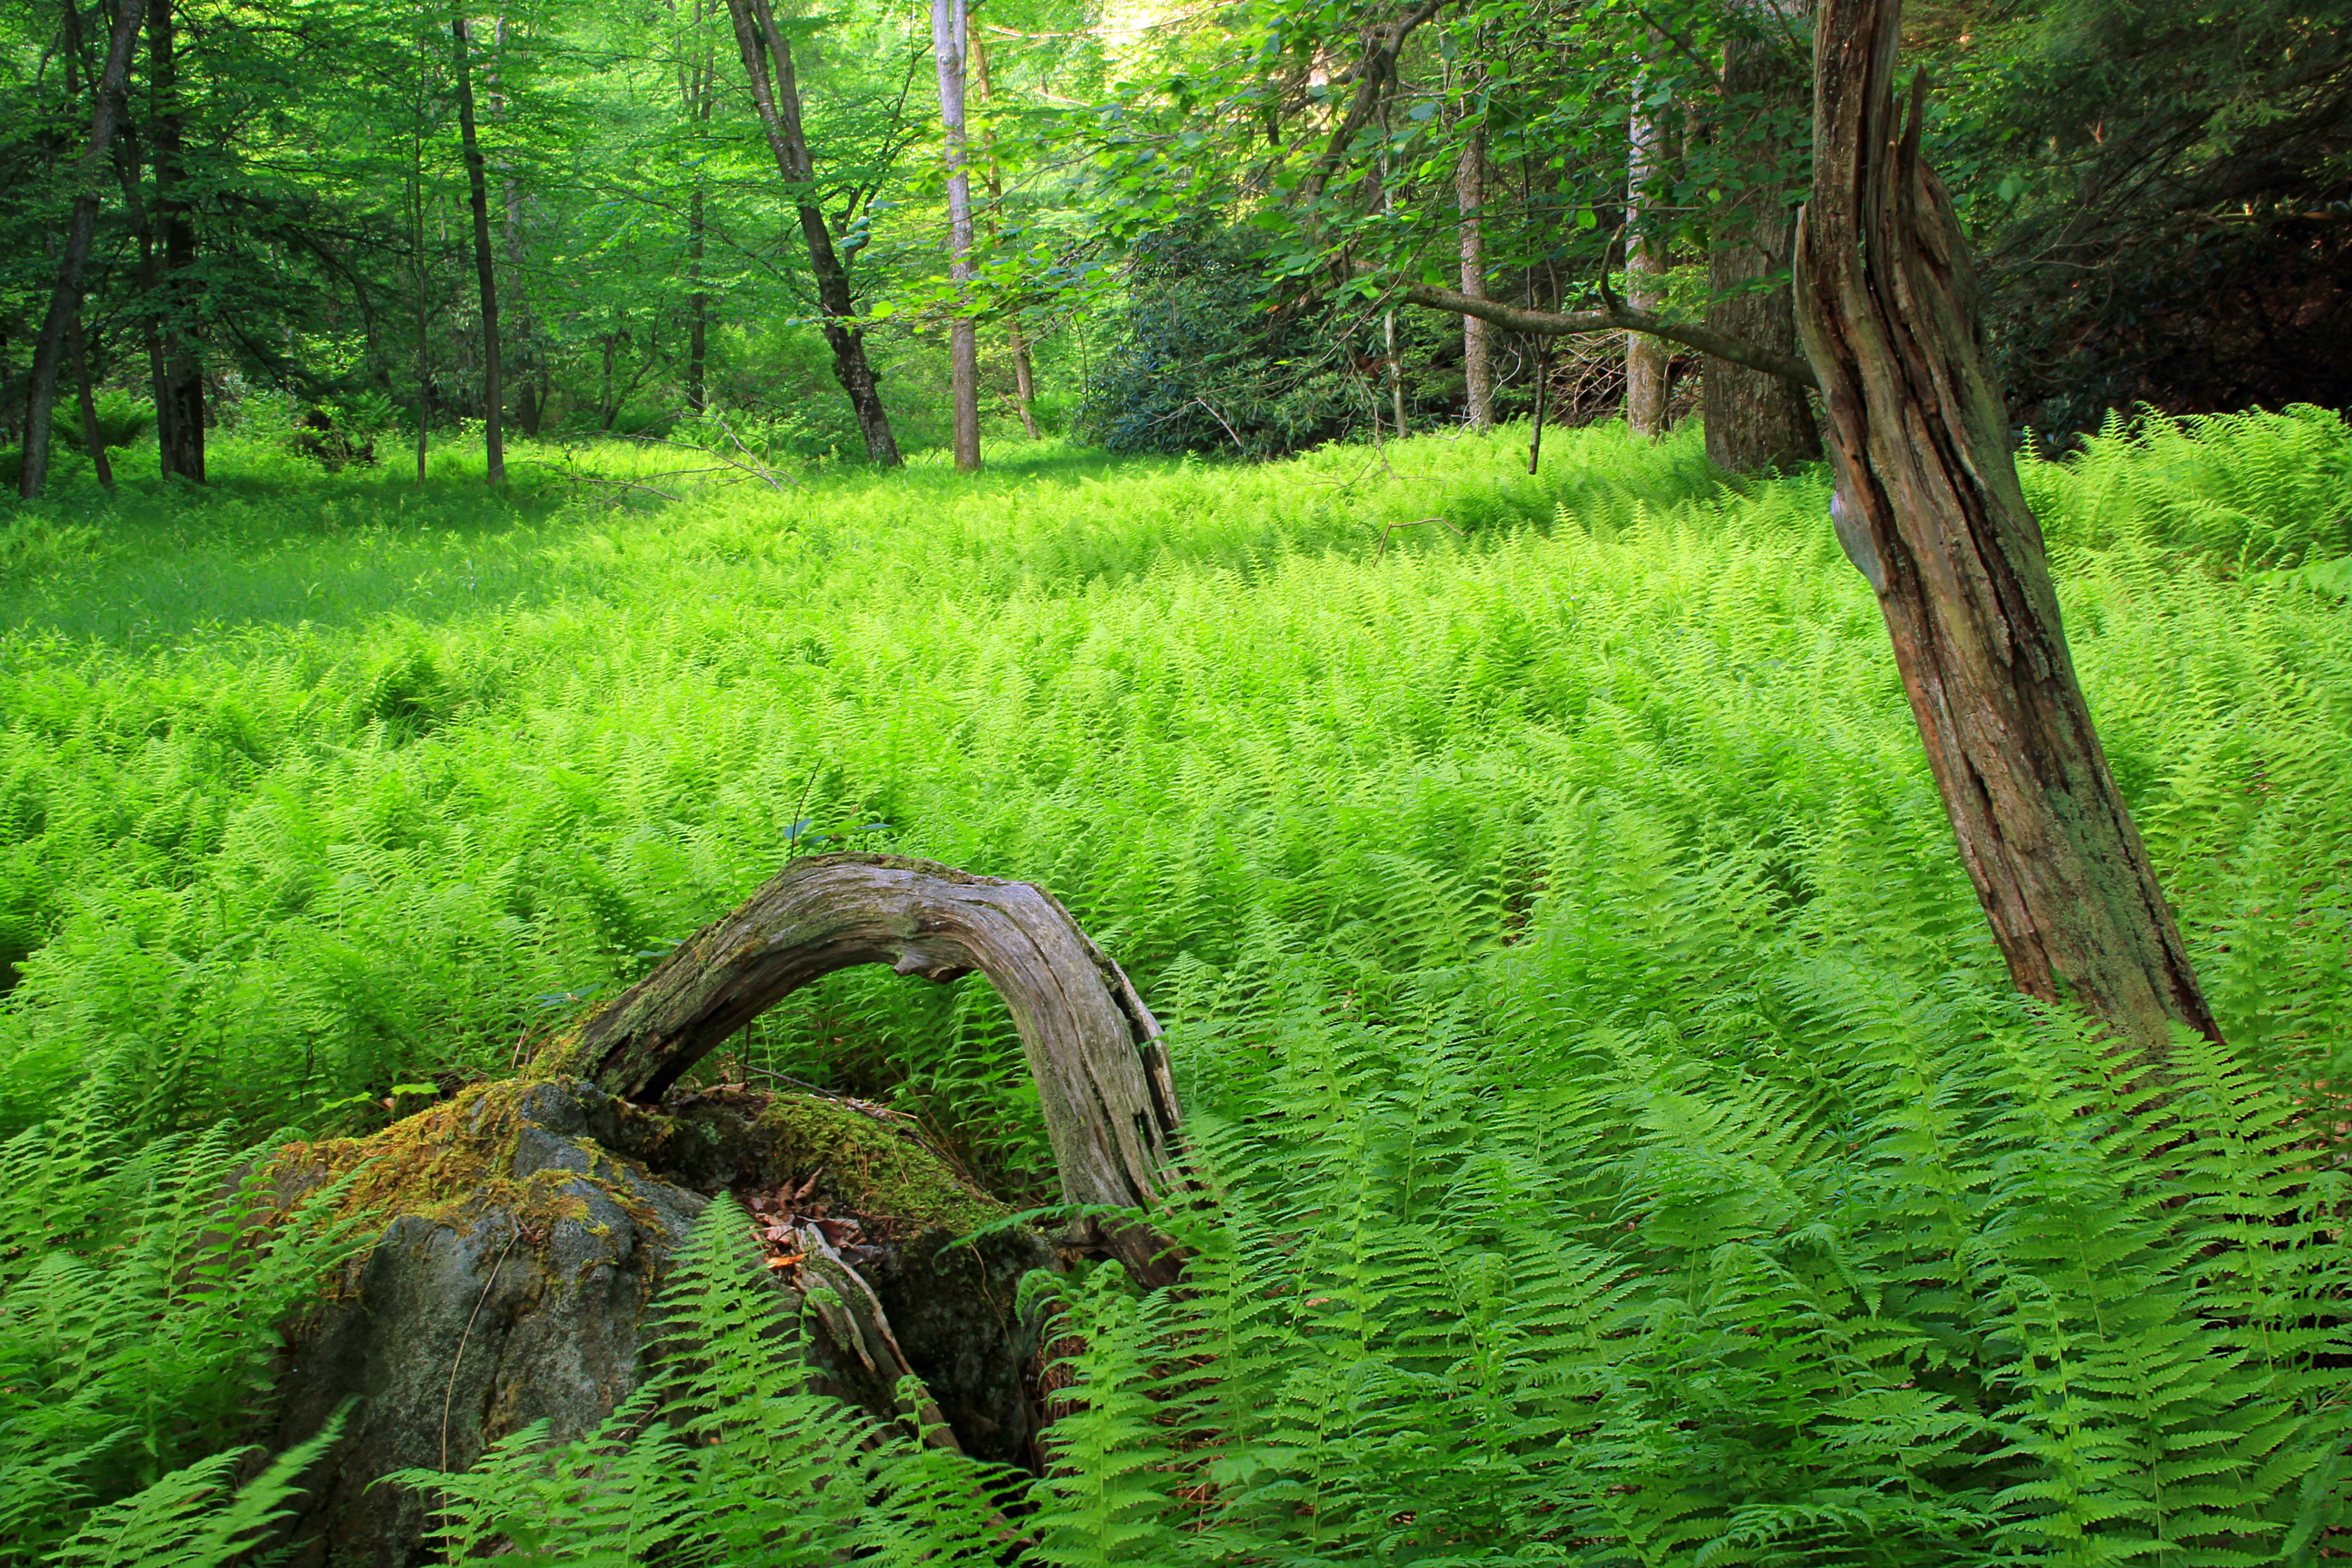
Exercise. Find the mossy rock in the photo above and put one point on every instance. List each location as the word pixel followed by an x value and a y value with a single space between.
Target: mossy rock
pixel 526 1228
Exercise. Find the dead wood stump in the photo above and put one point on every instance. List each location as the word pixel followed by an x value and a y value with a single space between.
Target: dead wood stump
pixel 1091 1044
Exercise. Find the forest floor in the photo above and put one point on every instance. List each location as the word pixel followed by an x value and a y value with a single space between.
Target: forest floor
pixel 1566 964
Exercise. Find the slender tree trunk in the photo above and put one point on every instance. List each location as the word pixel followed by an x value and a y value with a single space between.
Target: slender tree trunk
pixel 1645 356
pixel 779 107
pixel 525 332
pixel 697 307
pixel 486 273
pixel 151 316
pixel 180 405
pixel 1755 421
pixel 1543 382
pixel 93 438
pixel 1929 508
pixel 1477 356
pixel 948 33
pixel 698 76
pixel 65 299
pixel 416 251
pixel 1024 387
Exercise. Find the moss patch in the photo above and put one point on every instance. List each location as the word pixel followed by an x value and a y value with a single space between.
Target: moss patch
pixel 874 1168
pixel 452 1163
pixel 734 1137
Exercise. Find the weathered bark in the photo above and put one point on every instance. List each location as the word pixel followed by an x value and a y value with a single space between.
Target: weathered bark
pixel 179 388
pixel 1477 355
pixel 1930 511
pixel 778 103
pixel 949 29
pixel 1755 421
pixel 1645 356
pixel 65 299
pixel 494 450
pixel 1092 1045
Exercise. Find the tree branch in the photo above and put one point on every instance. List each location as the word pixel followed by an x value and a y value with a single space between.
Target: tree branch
pixel 1379 66
pixel 1615 317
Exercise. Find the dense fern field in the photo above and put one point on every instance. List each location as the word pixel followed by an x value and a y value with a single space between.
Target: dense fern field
pixel 1625 1147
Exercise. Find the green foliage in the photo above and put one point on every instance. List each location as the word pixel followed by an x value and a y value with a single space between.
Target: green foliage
pixel 2245 490
pixel 191 1519
pixel 1625 1145
pixel 1209 360
pixel 141 1296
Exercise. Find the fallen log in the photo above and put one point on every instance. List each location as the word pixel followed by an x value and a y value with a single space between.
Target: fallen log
pixel 1092 1045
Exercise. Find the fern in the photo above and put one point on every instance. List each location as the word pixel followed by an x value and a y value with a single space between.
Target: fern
pixel 1627 1149
pixel 193 1517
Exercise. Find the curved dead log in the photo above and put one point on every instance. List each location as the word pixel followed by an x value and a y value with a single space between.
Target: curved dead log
pixel 1092 1045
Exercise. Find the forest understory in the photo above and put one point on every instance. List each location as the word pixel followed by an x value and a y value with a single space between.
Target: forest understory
pixel 1625 1143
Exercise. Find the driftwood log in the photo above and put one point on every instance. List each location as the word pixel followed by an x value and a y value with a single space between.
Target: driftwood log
pixel 1092 1045
pixel 1930 511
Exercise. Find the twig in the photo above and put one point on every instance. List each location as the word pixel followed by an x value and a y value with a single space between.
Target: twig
pixel 449 1394
pixel 1414 523
pixel 1221 420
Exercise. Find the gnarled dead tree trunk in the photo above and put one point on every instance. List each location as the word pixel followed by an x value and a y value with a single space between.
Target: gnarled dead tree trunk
pixel 1929 508
pixel 1092 1045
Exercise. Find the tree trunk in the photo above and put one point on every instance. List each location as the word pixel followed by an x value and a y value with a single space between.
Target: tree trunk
pixel 948 33
pixel 93 439
pixel 180 402
pixel 778 106
pixel 416 255
pixel 485 271
pixel 1477 356
pixel 1645 356
pixel 697 307
pixel 1755 421
pixel 1930 511
pixel 696 77
pixel 1024 388
pixel 65 299
pixel 1092 1045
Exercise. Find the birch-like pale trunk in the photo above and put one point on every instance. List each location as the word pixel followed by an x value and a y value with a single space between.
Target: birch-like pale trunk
pixel 950 26
pixel 1645 356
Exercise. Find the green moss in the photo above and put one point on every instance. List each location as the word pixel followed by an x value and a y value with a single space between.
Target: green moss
pixel 452 1163
pixel 871 1167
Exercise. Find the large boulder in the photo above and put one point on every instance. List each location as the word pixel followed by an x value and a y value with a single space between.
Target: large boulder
pixel 525 1228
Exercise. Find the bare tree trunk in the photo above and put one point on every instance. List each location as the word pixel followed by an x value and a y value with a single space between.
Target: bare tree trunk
pixel 1929 508
pixel 948 27
pixel 526 344
pixel 695 83
pixel 778 106
pixel 1477 356
pixel 1092 1045
pixel 1645 356
pixel 180 405
pixel 93 439
pixel 1543 382
pixel 1755 421
pixel 1024 388
pixel 64 297
pixel 416 252
pixel 151 318
pixel 494 450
